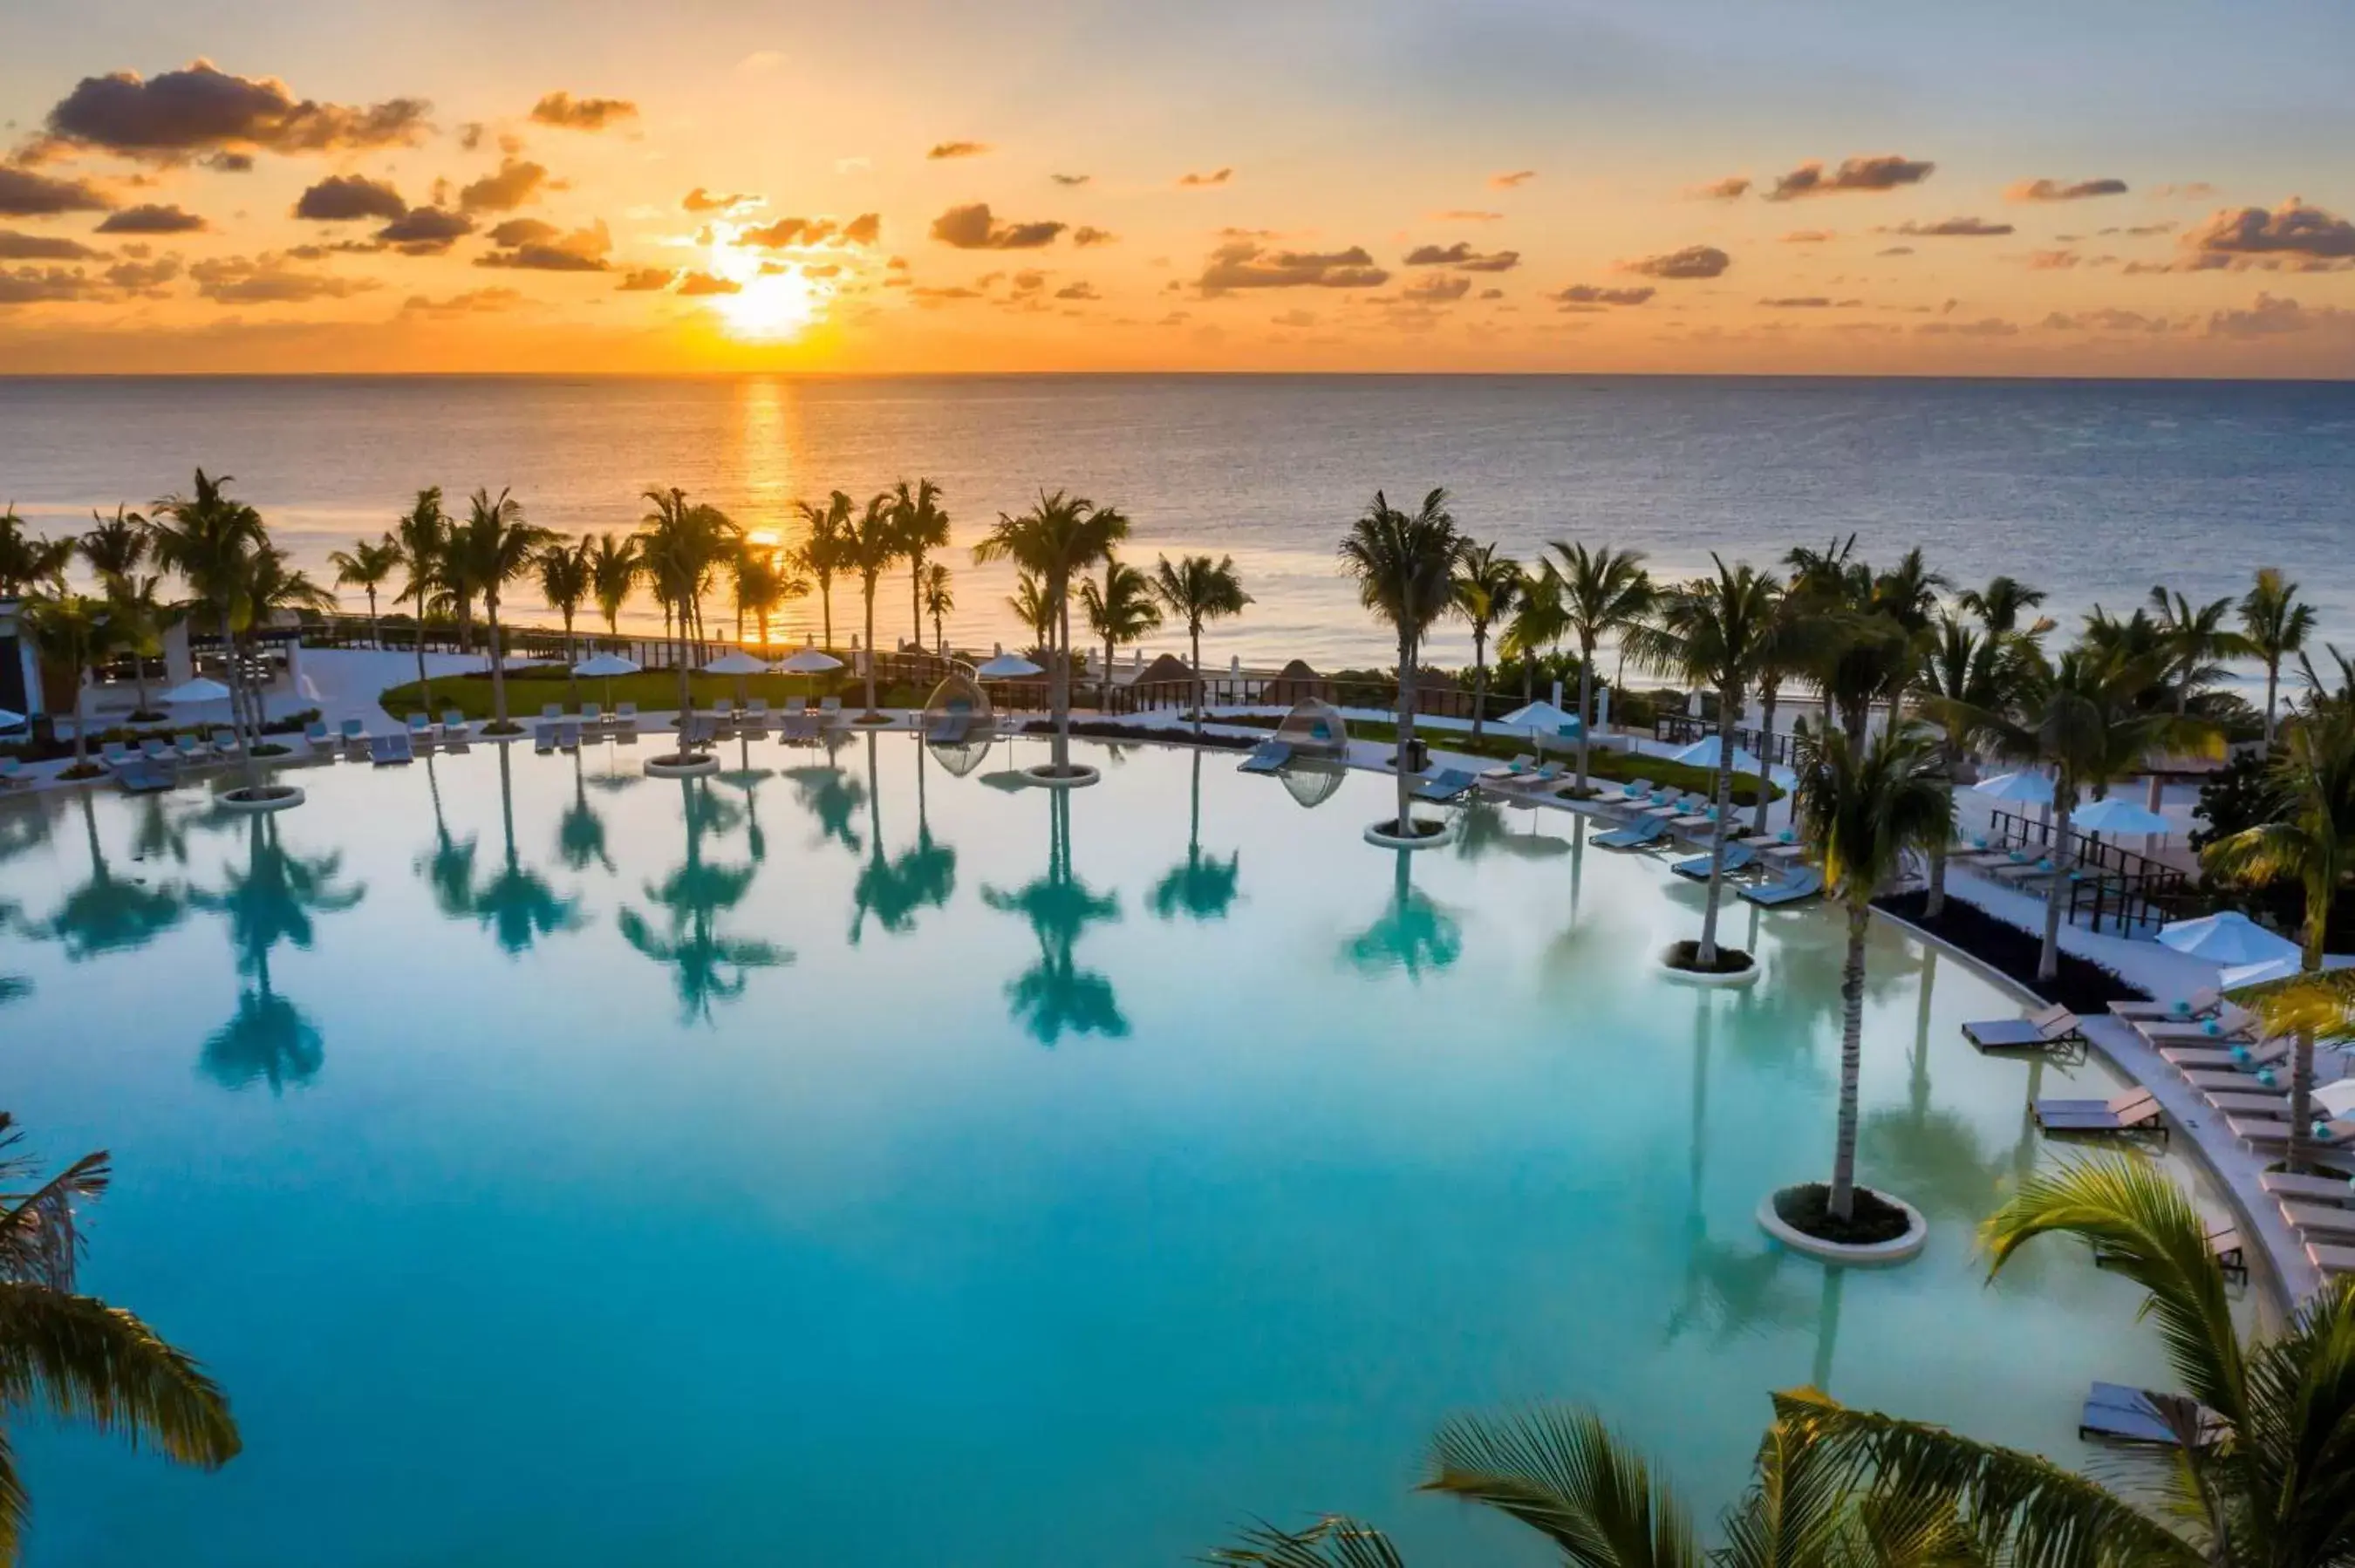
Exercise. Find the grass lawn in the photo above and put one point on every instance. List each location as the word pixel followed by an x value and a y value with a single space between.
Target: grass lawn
pixel 655 691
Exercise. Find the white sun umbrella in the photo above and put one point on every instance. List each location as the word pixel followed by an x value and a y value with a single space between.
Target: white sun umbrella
pixel 1705 754
pixel 1541 720
pixel 2113 815
pixel 2229 938
pixel 2024 788
pixel 810 660
pixel 740 663
pixel 196 692
pixel 606 666
pixel 1006 666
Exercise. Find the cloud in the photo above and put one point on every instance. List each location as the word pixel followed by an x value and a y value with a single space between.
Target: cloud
pixel 1085 236
pixel 1463 257
pixel 1731 188
pixel 1436 288
pixel 151 218
pixel 1589 294
pixel 1468 215
pixel 24 194
pixel 1508 181
pixel 2108 319
pixel 20 247
pixel 228 163
pixel 646 280
pixel 45 285
pixel 1799 302
pixel 1808 236
pixel 864 230
pixel 533 246
pixel 471 134
pixel 694 284
pixel 2053 261
pixel 1069 179
pixel 202 109
pixel 268 280
pixel 425 230
pixel 1896 251
pixel 143 277
pixel 516 184
pixel 2196 190
pixel 1692 262
pixel 787 231
pixel 958 150
pixel 340 199
pixel 702 200
pixel 2291 229
pixel 931 296
pixel 561 109
pixel 971 228
pixel 1191 180
pixel 1986 327
pixel 473 302
pixel 2059 190
pixel 2272 316
pixel 1248 264
pixel 1080 290
pixel 1950 228
pixel 1885 171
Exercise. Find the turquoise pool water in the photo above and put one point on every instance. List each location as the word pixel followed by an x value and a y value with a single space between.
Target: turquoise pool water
pixel 842 1161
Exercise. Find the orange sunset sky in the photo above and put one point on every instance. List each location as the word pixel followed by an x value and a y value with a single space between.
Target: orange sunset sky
pixel 1995 188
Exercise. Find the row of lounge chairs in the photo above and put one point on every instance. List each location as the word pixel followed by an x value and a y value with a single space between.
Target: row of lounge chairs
pixel 2321 1209
pixel 1440 785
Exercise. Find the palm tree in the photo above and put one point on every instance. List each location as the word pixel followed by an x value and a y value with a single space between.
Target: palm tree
pixel 368 566
pixel 422 537
pixel 63 1353
pixel 821 554
pixel 116 546
pixel 679 545
pixel 1483 592
pixel 1604 593
pixel 1062 535
pixel 2003 606
pixel 1964 674
pixel 1716 631
pixel 1405 566
pixel 272 589
pixel 2196 641
pixel 2274 626
pixel 1197 591
pixel 2312 842
pixel 72 634
pixel 137 614
pixel 1862 811
pixel 1822 589
pixel 1122 612
pixel 209 541
pixel 494 547
pixel 762 583
pixel 26 561
pixel 615 569
pixel 564 582
pixel 1541 619
pixel 922 525
pixel 1029 602
pixel 869 548
pixel 939 599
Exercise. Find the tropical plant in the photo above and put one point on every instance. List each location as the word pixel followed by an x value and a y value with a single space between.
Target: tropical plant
pixel 1120 610
pixel 614 567
pixel 422 534
pixel 1541 619
pixel 115 547
pixel 2273 626
pixel 275 591
pixel 1029 602
pixel 680 544
pixel 869 548
pixel 368 566
pixel 1603 593
pixel 2312 843
pixel 1862 811
pixel 1405 564
pixel 939 599
pixel 762 583
pixel 920 525
pixel 821 554
pixel 67 1355
pixel 564 582
pixel 26 561
pixel 136 616
pixel 491 549
pixel 1716 631
pixel 210 541
pixel 1199 590
pixel 2195 642
pixel 1965 673
pixel 2004 605
pixel 71 633
pixel 1061 535
pixel 1484 589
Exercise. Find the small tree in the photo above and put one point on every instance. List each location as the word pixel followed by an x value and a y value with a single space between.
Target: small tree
pixel 1197 591
pixel 1603 593
pixel 368 566
pixel 71 633
pixel 940 598
pixel 922 525
pixel 870 547
pixel 821 554
pixel 1483 591
pixel 423 533
pixel 1405 564
pixel 494 547
pixel 1122 612
pixel 564 582
pixel 2273 626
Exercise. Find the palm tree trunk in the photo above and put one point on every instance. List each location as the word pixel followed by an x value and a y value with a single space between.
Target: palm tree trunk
pixel 1842 1202
pixel 1726 702
pixel 1479 677
pixel 571 658
pixel 825 605
pixel 871 648
pixel 2272 687
pixel 1585 713
pixel 81 725
pixel 1194 630
pixel 1060 686
pixel 916 597
pixel 424 684
pixel 139 678
pixel 498 666
pixel 2301 1071
pixel 1766 757
pixel 1103 688
pixel 1407 650
pixel 376 627
pixel 1935 904
pixel 2048 961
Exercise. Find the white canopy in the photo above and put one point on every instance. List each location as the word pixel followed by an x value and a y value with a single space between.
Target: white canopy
pixel 2227 938
pixel 2025 788
pixel 1540 717
pixel 606 665
pixel 736 661
pixel 200 689
pixel 810 660
pixel 2116 816
pixel 1006 666
pixel 1705 754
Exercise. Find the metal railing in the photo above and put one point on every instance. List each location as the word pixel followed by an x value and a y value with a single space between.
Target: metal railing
pixel 2129 888
pixel 1683 730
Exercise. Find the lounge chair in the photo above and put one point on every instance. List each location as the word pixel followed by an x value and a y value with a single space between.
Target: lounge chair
pixel 797 726
pixel 156 748
pixel 140 775
pixel 950 729
pixel 2253 1102
pixel 1799 882
pixel 1544 777
pixel 353 735
pixel 2234 1058
pixel 2201 1004
pixel 756 714
pixel 2126 1414
pixel 1267 757
pixel 1444 784
pixel 592 719
pixel 829 712
pixel 387 750
pixel 2337 1191
pixel 319 737
pixel 549 712
pixel 2046 1026
pixel 454 726
pixel 421 730
pixel 2327 1220
pixel 625 717
pixel 2238 1080
pixel 2136 1111
pixel 12 772
pixel 1514 769
pixel 1734 857
pixel 568 735
pixel 543 739
pixel 224 743
pixel 2268 1133
pixel 192 751
pixel 2331 1259
pixel 2230 1024
pixel 115 755
pixel 1644 830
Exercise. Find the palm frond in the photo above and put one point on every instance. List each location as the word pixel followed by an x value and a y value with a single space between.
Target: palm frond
pixel 16 1505
pixel 40 1242
pixel 1333 1542
pixel 78 1357
pixel 1567 1476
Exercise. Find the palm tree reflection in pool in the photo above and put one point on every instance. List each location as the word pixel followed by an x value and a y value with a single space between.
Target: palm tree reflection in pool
pixel 449 867
pixel 748 779
pixel 1054 995
pixel 706 965
pixel 1415 934
pixel 270 901
pixel 518 903
pixel 107 914
pixel 580 832
pixel 1204 886
pixel 923 877
pixel 833 797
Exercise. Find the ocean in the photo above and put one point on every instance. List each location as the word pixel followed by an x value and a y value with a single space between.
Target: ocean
pixel 2093 490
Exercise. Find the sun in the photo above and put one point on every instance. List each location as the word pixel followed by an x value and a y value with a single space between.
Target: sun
pixel 767 306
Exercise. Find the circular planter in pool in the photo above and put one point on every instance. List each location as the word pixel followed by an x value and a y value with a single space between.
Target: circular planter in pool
pixel 1731 979
pixel 1079 775
pixel 1872 1254
pixel 257 798
pixel 1379 834
pixel 694 766
pixel 501 737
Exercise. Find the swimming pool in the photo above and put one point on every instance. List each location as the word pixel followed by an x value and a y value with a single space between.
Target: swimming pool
pixel 560 1165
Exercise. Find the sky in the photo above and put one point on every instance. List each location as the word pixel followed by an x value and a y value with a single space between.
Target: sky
pixel 1998 188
